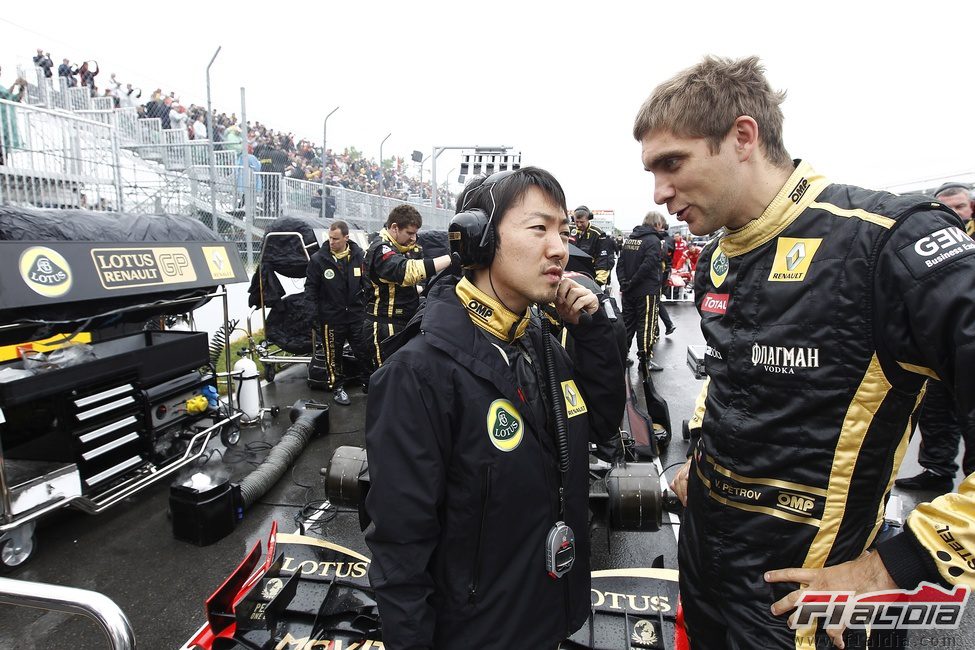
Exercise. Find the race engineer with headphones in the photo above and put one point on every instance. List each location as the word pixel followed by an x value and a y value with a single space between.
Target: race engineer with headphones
pixel 824 308
pixel 478 430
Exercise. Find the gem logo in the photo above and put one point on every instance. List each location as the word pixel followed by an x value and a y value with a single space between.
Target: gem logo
pixel 715 303
pixel 719 268
pixel 792 259
pixel 574 404
pixel 504 425
pixel 936 250
pixel 45 271
pixel 329 274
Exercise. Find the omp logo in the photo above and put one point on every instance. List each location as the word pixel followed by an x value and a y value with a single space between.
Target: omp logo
pixel 480 310
pixel 715 303
pixel 927 607
pixel 796 503
pixel 799 190
pixel 792 259
pixel 45 271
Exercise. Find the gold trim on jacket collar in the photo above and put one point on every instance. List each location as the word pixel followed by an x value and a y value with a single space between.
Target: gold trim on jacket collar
pixel 802 188
pixel 489 314
pixel 392 242
pixel 343 255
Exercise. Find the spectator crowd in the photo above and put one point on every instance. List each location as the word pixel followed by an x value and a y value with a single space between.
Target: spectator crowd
pixel 278 151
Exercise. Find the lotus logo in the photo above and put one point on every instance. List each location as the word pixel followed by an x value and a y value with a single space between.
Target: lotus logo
pixel 45 271
pixel 504 425
pixel 795 256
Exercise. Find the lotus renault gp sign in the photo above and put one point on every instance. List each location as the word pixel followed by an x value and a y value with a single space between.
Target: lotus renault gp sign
pixel 120 268
pixel 55 272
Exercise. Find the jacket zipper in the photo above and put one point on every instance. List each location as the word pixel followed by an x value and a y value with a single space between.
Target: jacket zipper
pixel 485 495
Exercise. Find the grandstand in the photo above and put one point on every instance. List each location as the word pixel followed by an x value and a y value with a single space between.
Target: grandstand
pixel 66 147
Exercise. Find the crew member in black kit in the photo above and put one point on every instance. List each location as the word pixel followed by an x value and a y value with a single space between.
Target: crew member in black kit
pixel 639 274
pixel 336 286
pixel 394 266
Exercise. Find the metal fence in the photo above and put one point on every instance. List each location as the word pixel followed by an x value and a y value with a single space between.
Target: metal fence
pixel 63 148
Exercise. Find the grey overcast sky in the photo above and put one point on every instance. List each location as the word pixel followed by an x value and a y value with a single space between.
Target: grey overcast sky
pixel 879 94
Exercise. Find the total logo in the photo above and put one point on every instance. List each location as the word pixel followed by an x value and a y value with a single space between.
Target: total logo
pixel 715 303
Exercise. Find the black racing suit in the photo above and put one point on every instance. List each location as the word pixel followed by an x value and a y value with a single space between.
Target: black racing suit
pixel 823 318
pixel 595 243
pixel 464 475
pixel 336 286
pixel 394 272
pixel 639 277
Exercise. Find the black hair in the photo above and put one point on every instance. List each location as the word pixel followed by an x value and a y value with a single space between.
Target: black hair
pixel 508 191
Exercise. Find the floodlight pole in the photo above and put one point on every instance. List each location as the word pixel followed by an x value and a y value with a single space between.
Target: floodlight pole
pixel 211 151
pixel 381 174
pixel 324 148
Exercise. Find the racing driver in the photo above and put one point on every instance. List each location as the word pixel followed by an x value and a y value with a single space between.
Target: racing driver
pixel 825 308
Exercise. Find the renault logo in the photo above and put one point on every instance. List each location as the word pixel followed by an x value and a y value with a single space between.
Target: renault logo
pixel 795 256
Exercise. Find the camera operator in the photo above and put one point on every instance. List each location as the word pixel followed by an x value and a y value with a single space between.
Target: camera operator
pixel 467 495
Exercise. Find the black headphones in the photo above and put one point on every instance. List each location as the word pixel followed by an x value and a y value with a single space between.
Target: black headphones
pixel 471 233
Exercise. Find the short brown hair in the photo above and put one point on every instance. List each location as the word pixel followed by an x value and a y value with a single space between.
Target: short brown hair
pixel 704 101
pixel 340 225
pixel 404 216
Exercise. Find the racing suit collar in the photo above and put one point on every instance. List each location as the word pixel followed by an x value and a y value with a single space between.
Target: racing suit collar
pixel 489 314
pixel 343 255
pixel 802 188
pixel 392 242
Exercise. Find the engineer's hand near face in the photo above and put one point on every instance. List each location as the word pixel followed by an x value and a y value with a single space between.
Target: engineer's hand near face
pixel 572 299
